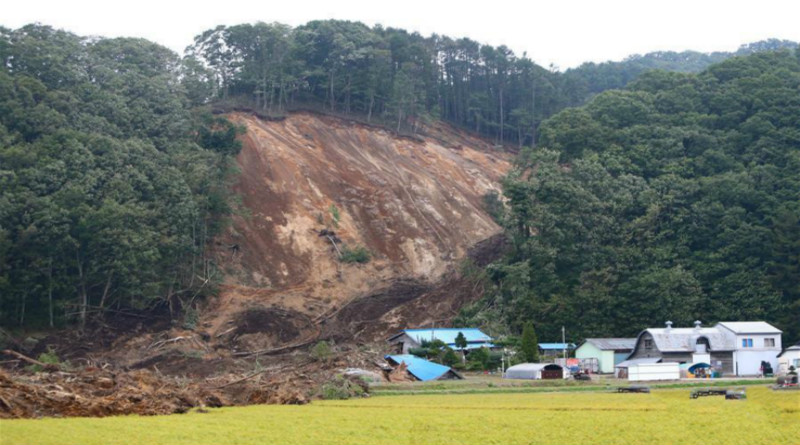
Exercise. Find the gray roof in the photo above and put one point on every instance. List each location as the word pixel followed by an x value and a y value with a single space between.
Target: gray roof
pixel 749 327
pixel 613 344
pixel 684 339
pixel 637 361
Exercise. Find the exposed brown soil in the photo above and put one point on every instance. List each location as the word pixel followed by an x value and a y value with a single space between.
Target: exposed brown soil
pixel 416 204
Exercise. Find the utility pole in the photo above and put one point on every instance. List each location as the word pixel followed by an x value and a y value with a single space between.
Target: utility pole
pixel 564 344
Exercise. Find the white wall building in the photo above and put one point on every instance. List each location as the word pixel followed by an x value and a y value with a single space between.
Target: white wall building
pixel 755 341
pixel 643 372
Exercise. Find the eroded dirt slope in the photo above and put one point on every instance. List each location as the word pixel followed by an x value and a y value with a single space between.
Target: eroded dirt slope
pixel 416 204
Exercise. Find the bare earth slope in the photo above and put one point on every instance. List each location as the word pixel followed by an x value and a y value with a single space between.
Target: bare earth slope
pixel 414 203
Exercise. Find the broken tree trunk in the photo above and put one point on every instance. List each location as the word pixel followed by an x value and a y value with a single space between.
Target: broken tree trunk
pixel 46 366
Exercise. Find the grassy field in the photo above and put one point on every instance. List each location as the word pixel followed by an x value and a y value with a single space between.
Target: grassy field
pixel 488 384
pixel 665 416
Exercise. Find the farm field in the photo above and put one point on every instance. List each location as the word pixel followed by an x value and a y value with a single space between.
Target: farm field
pixel 477 383
pixel 665 416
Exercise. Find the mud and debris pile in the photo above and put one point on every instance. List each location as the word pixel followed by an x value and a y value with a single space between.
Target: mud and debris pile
pixel 97 392
pixel 169 383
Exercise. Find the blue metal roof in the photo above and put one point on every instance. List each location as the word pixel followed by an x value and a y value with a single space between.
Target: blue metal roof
pixel 558 346
pixel 419 367
pixel 448 335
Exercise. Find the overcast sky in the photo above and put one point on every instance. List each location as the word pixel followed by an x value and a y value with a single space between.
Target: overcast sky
pixel 564 33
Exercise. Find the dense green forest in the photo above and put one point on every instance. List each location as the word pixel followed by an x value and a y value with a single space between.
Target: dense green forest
pixel 111 184
pixel 677 198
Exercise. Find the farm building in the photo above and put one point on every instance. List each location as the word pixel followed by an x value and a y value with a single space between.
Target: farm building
pixel 555 349
pixel 413 338
pixel 789 357
pixel 535 371
pixel 734 348
pixel 422 369
pixel 608 352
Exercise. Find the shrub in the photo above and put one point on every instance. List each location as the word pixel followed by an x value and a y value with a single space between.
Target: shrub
pixel 419 352
pixel 48 358
pixel 450 358
pixel 321 351
pixel 335 215
pixel 341 388
pixel 190 318
pixel 358 254
pixel 478 359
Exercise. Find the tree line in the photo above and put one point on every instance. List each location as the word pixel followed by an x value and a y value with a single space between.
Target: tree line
pixel 402 79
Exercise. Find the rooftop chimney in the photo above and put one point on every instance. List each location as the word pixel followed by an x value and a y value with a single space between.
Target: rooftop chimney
pixel 697 324
pixel 669 325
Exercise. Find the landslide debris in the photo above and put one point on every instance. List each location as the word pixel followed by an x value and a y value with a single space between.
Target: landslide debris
pixel 311 186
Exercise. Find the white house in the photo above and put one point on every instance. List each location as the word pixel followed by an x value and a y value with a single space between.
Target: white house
pixel 789 357
pixel 755 341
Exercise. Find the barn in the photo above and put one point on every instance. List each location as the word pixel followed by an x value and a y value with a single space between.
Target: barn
pixel 535 371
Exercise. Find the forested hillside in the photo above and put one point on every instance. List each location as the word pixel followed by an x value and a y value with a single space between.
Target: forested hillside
pixel 111 185
pixel 402 79
pixel 590 79
pixel 677 198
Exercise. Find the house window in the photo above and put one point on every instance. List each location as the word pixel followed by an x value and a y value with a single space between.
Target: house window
pixel 747 342
pixel 648 344
pixel 769 342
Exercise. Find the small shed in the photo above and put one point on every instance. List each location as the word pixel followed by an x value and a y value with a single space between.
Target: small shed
pixel 535 371
pixel 422 369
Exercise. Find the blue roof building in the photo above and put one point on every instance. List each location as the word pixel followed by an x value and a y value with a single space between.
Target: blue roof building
pixel 422 369
pixel 413 338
